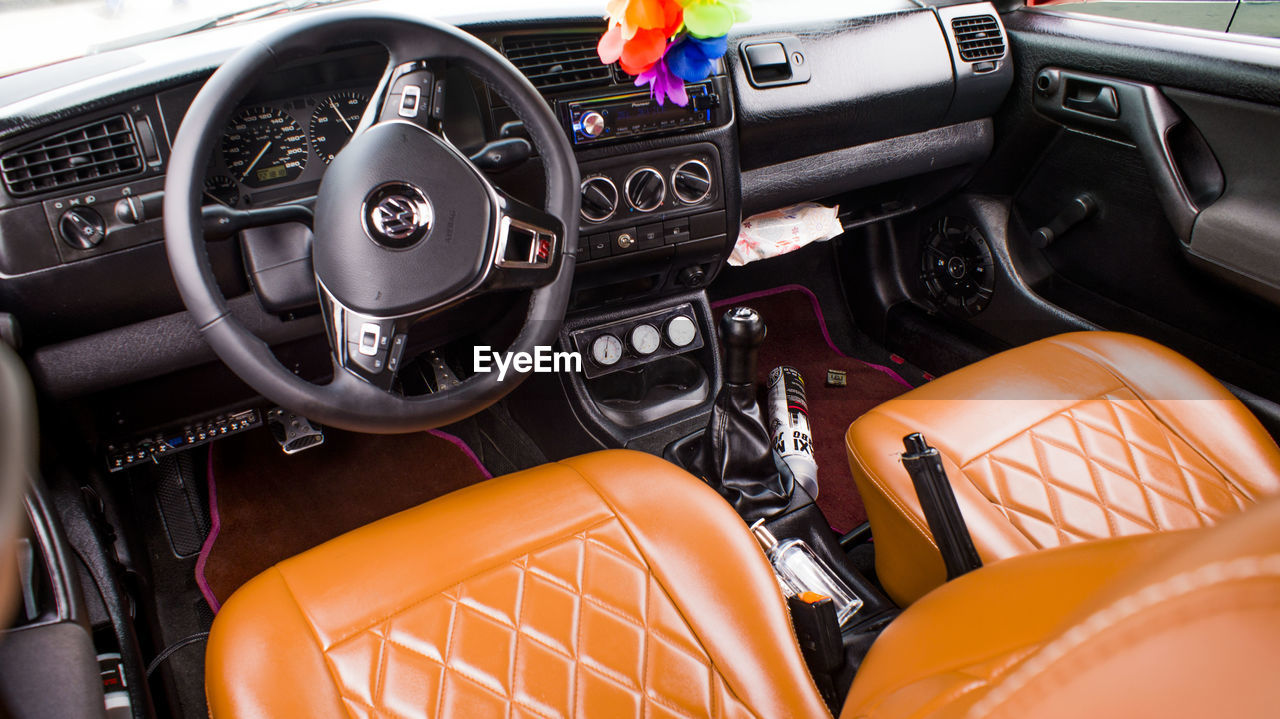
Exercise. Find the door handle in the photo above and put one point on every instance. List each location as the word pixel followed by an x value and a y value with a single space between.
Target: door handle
pixel 1091 97
pixel 1093 102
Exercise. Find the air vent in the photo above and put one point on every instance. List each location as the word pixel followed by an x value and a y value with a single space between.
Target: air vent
pixel 978 38
pixel 103 149
pixel 559 62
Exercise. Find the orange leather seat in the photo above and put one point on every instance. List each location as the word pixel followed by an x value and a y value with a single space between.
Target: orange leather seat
pixel 608 585
pixel 615 584
pixel 1078 437
pixel 1176 624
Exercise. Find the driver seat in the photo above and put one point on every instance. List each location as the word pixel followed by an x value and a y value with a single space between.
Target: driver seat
pixel 616 585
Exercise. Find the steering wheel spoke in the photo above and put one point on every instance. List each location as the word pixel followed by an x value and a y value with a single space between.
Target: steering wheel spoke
pixel 410 91
pixel 528 246
pixel 368 346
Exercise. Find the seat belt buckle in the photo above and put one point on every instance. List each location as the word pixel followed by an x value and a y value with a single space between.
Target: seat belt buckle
pixel 818 630
pixel 813 616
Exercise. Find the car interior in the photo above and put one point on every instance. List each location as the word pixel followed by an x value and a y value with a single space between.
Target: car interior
pixel 364 358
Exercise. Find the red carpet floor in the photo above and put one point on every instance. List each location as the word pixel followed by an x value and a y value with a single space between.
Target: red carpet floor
pixel 269 506
pixel 797 336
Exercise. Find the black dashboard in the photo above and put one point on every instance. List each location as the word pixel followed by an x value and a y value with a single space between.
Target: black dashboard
pixel 864 104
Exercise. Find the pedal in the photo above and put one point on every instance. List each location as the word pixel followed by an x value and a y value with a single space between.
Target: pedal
pixel 444 377
pixel 293 432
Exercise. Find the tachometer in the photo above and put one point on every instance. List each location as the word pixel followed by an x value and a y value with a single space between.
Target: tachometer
pixel 263 146
pixel 222 189
pixel 334 121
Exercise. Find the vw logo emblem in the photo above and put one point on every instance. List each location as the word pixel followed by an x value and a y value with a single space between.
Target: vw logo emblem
pixel 396 215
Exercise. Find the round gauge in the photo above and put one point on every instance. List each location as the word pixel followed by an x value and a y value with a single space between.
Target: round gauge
pixel 606 350
pixel 957 266
pixel 334 122
pixel 263 146
pixel 681 331
pixel 223 189
pixel 644 339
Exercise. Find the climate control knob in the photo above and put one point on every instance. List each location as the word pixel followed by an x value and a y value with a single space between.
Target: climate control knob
pixel 599 198
pixel 592 124
pixel 645 189
pixel 691 182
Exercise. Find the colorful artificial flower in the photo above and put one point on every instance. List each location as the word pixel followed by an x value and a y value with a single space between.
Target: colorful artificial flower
pixel 713 18
pixel 638 34
pixel 663 85
pixel 635 15
pixel 692 58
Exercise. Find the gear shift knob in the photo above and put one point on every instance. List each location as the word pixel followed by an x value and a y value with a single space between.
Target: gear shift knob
pixel 742 331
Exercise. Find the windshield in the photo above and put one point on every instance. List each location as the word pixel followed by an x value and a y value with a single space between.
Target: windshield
pixel 40 32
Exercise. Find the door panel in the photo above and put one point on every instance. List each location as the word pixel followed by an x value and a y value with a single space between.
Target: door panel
pixel 1184 246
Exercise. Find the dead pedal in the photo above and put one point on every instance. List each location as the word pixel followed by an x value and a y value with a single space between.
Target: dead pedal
pixel 293 432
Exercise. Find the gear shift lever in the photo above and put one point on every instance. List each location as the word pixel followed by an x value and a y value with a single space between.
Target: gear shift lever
pixel 742 331
pixel 735 454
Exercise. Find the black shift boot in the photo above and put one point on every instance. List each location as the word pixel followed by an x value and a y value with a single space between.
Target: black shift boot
pixel 735 454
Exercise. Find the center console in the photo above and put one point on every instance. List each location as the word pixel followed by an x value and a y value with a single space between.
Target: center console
pixel 660 211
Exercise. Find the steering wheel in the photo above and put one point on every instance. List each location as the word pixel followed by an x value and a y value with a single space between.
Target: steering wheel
pixel 405 226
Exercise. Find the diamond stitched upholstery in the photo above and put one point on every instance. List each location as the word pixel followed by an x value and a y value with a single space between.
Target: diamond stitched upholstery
pixel 631 648
pixel 612 584
pixel 1077 437
pixel 1103 464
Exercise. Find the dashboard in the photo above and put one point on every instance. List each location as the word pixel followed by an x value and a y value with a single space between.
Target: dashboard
pixel 869 99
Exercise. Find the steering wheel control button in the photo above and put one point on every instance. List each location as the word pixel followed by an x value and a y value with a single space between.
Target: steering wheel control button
pixel 409 100
pixel 649 236
pixel 397 351
pixel 410 96
pixel 644 339
pixel 645 189
pixel 599 198
pixel 691 182
pixel 680 331
pixel 82 228
pixel 623 240
pixel 371 339
pixel 606 350
pixel 397 215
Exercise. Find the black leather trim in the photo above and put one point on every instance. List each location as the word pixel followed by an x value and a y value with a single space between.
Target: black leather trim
pixel 865 85
pixel 830 173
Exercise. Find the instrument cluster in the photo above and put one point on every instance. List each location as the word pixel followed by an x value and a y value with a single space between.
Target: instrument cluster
pixel 283 144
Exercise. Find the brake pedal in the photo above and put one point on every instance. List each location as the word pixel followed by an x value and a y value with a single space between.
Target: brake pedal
pixel 294 432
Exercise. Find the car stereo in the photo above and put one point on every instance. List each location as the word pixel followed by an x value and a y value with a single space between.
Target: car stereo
pixel 634 114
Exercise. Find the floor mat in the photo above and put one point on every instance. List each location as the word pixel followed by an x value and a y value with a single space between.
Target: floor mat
pixel 268 506
pixel 797 336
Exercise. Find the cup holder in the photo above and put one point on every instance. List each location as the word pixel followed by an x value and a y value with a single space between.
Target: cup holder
pixel 643 394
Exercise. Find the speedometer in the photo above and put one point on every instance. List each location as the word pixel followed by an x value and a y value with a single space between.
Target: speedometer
pixel 334 122
pixel 264 146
